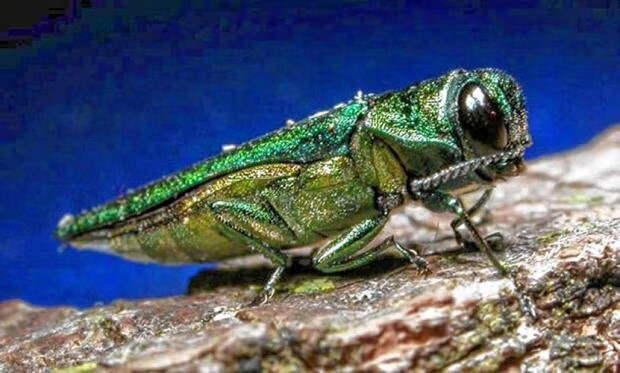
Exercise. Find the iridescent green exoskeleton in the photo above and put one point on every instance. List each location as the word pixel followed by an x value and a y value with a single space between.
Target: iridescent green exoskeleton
pixel 333 177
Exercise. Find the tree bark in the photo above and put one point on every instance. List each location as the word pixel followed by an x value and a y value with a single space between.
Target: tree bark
pixel 561 223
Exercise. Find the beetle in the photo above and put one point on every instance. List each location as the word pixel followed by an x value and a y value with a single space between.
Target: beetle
pixel 335 176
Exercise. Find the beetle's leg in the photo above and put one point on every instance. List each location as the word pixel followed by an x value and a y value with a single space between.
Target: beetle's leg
pixel 343 252
pixel 495 240
pixel 473 210
pixel 255 224
pixel 440 200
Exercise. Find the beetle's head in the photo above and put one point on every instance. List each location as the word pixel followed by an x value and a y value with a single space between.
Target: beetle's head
pixel 489 109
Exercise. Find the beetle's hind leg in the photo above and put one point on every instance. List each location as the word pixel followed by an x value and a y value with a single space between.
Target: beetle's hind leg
pixel 258 226
pixel 346 251
pixel 494 240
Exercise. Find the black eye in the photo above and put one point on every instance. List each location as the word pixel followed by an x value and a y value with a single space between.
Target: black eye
pixel 481 118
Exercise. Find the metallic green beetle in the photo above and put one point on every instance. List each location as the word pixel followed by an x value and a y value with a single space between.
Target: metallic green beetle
pixel 334 176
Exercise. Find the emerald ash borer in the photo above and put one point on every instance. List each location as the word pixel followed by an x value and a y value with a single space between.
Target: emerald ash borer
pixel 332 178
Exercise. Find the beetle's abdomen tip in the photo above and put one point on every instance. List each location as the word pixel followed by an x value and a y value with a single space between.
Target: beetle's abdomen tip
pixel 63 226
pixel 65 221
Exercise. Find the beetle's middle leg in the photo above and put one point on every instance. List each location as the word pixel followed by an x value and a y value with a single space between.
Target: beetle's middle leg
pixel 343 253
pixel 258 226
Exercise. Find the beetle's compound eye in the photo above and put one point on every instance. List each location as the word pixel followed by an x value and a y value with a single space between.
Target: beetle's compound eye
pixel 481 118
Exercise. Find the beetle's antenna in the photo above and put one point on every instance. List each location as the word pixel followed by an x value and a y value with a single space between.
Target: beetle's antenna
pixel 433 181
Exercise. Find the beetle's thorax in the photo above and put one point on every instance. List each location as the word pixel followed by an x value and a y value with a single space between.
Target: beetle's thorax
pixel 475 118
pixel 411 123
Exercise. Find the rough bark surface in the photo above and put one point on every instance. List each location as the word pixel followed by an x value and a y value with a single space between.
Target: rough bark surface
pixel 561 223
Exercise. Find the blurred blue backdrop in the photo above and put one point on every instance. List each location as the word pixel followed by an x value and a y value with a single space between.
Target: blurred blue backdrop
pixel 132 90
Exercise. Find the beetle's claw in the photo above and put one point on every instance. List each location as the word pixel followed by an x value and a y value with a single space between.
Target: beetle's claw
pixel 420 263
pixel 269 288
pixel 415 258
pixel 422 266
pixel 262 297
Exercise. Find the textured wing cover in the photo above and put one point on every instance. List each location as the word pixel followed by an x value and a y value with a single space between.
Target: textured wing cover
pixel 309 140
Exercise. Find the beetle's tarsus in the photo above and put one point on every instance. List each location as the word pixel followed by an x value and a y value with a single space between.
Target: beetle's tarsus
pixel 269 289
pixel 262 297
pixel 413 256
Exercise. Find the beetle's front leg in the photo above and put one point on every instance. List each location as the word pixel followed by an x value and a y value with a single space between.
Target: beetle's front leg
pixel 343 253
pixel 494 240
pixel 443 201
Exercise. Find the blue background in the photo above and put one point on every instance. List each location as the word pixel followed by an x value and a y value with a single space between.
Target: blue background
pixel 129 91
